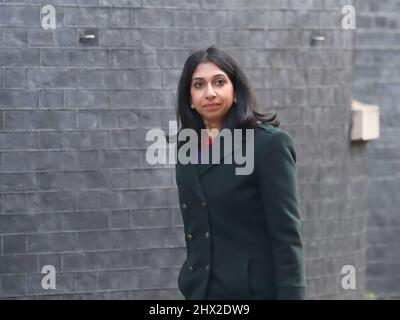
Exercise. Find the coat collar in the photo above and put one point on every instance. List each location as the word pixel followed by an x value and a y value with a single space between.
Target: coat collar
pixel 192 174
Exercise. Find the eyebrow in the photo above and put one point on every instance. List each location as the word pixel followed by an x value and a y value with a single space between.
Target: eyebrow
pixel 214 76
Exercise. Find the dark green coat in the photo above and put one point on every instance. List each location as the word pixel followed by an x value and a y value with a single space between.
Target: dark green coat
pixel 242 232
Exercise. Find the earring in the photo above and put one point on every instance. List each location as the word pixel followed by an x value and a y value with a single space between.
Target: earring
pixel 234 100
pixel 191 106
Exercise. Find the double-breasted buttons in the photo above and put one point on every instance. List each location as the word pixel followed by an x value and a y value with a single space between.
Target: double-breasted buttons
pixel 207 235
pixel 189 236
pixel 184 206
pixel 191 268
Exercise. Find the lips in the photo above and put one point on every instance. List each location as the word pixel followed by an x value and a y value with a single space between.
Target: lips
pixel 211 106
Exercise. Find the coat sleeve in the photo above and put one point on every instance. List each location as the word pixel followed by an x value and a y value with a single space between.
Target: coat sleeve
pixel 277 176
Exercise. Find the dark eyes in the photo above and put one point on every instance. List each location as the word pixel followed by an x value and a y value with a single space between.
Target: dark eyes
pixel 219 83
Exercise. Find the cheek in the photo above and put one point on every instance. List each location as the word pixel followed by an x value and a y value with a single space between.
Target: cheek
pixel 228 94
pixel 194 95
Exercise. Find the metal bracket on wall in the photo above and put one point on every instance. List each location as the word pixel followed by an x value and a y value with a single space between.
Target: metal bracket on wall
pixel 316 39
pixel 89 37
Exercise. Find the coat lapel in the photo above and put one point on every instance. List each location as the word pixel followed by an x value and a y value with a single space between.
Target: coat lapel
pixel 193 173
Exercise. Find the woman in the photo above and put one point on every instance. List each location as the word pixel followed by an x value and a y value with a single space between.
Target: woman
pixel 242 232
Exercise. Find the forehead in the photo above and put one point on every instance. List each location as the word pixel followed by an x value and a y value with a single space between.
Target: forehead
pixel 207 70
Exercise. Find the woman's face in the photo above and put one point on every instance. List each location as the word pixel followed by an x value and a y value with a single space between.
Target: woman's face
pixel 212 94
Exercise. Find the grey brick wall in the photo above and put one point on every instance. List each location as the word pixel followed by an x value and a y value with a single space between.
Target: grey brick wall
pixel 75 189
pixel 377 81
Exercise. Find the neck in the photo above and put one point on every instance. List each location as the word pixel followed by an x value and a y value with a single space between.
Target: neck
pixel 213 125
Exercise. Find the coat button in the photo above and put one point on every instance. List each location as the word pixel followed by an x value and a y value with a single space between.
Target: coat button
pixel 191 269
pixel 184 206
pixel 206 235
pixel 203 203
pixel 189 236
pixel 207 267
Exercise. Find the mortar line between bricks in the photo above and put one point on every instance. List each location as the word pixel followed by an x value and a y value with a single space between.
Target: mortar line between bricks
pixel 350 254
pixel 80 252
pixel 178 8
pixel 50 295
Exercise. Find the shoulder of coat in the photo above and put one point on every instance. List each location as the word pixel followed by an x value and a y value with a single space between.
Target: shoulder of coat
pixel 267 127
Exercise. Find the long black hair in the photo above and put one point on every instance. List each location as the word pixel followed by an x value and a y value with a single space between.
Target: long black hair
pixel 242 115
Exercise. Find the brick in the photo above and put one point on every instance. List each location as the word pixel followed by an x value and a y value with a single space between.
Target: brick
pixel 52 78
pixel 119 179
pixel 119 139
pixel 123 280
pixel 155 38
pixel 18 140
pixel 91 261
pixel 91 17
pixel 121 58
pixel 86 241
pixel 85 221
pixel 119 37
pixel 12 286
pixel 154 278
pixel 57 242
pixel 50 201
pixel 216 18
pixel 155 218
pixel 86 98
pixel 87 119
pixel 66 37
pixel 147 178
pixel 161 238
pixel 87 200
pixel 18 263
pixel 49 98
pixel 49 222
pixel 50 181
pixel 51 57
pixel 110 199
pixel 18 181
pixel 156 17
pixel 39 120
pixel 130 199
pixel 164 58
pixel 15 36
pixel 150 118
pixel 15 161
pixel 14 244
pixel 126 118
pixel 20 15
pixel 86 57
pixel 119 220
pixel 119 17
pixel 19 57
pixel 38 37
pixel 119 239
pixel 121 98
pixel 85 281
pixel 167 257
pixel 50 140
pixel 119 79
pixel 88 78
pixel 122 3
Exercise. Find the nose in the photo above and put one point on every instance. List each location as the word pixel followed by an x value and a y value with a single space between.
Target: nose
pixel 210 93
